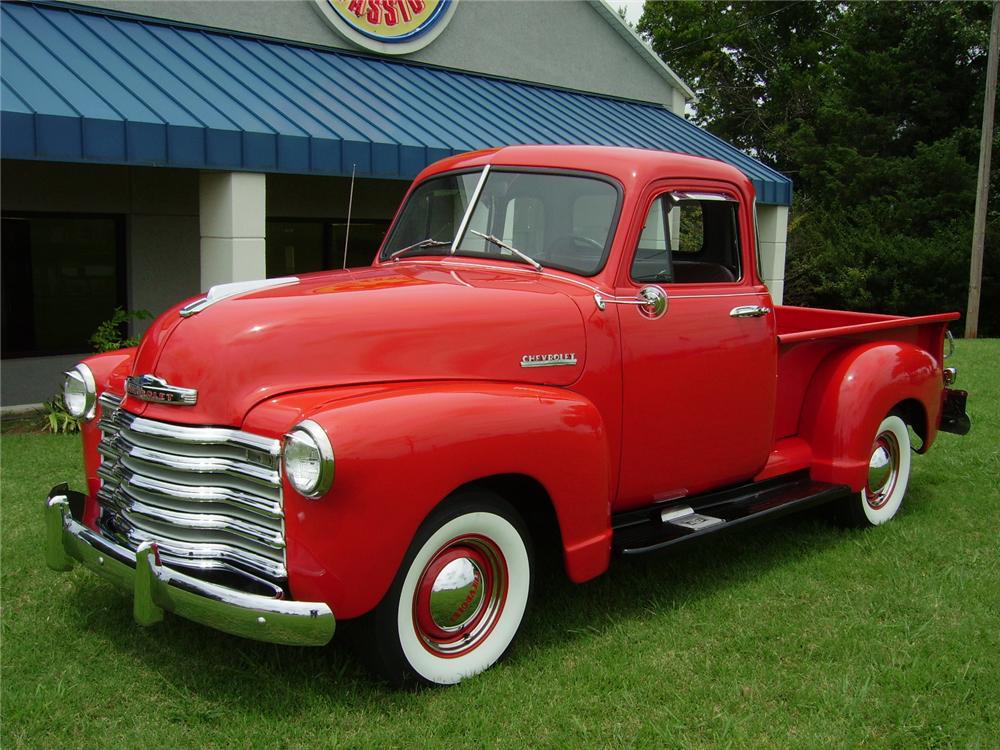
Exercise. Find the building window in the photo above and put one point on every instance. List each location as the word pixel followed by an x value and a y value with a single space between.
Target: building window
pixel 62 276
pixel 297 246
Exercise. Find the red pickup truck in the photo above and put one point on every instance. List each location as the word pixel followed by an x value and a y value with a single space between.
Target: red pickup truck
pixel 556 347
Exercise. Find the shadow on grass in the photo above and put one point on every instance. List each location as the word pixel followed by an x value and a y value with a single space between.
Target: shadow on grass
pixel 282 681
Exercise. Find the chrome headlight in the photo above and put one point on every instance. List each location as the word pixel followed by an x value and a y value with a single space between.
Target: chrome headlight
pixel 80 392
pixel 308 458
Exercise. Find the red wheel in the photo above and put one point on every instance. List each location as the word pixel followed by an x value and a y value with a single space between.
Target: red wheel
pixel 460 595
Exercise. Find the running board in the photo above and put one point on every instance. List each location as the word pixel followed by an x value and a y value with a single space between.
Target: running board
pixel 652 529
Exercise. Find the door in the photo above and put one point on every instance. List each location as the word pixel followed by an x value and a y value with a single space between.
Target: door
pixel 699 380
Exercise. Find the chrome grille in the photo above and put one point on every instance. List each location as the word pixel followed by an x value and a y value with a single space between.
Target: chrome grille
pixel 210 497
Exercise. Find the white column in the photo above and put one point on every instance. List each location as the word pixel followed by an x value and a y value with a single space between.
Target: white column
pixel 232 222
pixel 772 232
pixel 678 102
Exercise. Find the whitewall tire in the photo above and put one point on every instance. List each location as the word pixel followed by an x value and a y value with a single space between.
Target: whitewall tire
pixel 888 474
pixel 460 595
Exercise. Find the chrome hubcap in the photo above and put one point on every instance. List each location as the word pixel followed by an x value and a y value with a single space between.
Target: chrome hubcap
pixel 883 470
pixel 460 596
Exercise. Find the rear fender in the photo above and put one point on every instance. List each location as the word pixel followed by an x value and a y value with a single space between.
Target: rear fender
pixel 850 395
pixel 400 451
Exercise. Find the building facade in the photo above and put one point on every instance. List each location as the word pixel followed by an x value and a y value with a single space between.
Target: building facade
pixel 153 149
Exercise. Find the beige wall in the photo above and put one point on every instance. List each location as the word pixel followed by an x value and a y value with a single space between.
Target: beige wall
pixel 556 42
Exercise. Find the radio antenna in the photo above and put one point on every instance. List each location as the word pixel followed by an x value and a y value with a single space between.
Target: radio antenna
pixel 350 204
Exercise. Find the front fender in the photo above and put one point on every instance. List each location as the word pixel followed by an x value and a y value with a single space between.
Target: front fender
pixel 850 395
pixel 400 450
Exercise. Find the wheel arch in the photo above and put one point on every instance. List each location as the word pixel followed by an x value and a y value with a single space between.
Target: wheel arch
pixel 853 391
pixel 532 502
pixel 914 413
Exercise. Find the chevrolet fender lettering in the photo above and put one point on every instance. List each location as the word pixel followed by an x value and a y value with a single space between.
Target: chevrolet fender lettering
pixel 547 360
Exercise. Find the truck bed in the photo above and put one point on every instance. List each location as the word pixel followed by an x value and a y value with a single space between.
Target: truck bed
pixel 807 336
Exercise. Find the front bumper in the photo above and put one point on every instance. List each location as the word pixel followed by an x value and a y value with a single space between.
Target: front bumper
pixel 157 588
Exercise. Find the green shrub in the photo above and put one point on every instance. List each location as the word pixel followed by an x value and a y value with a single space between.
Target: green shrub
pixel 110 334
pixel 108 337
pixel 57 417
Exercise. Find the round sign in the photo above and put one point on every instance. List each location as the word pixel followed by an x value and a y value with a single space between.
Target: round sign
pixel 392 27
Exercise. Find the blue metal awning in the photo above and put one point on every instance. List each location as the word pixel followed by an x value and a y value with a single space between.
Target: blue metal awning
pixel 81 85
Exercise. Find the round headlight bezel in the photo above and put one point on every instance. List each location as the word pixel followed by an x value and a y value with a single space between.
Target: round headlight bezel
pixel 80 377
pixel 314 437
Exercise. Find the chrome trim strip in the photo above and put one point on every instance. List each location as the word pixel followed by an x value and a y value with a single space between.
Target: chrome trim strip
pixel 194 554
pixel 193 521
pixel 156 587
pixel 469 209
pixel 127 480
pixel 565 279
pixel 197 435
pixel 220 292
pixel 120 447
pixel 686 195
pixel 109 400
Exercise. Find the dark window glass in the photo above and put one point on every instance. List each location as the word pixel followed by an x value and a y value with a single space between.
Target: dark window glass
pixel 708 247
pixel 62 276
pixel 561 220
pixel 568 219
pixel 689 239
pixel 297 246
pixel 433 212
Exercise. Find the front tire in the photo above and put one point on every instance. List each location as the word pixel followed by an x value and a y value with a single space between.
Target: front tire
pixel 460 595
pixel 888 475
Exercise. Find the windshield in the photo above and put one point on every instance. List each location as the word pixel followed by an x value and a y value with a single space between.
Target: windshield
pixel 557 219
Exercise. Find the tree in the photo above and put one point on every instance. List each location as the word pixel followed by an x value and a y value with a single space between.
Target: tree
pixel 873 109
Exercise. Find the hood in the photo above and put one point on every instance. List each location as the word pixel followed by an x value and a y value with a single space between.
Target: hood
pixel 411 321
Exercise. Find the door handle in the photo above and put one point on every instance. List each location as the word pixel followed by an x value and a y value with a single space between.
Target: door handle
pixel 749 311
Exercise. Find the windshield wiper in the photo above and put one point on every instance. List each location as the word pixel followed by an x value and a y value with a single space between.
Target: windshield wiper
pixel 500 243
pixel 429 242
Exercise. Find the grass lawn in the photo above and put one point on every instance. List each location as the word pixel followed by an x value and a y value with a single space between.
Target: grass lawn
pixel 792 634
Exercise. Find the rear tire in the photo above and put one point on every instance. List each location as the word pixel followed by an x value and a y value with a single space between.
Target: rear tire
pixel 459 596
pixel 888 474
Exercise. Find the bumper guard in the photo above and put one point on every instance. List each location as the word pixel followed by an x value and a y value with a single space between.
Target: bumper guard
pixel 157 588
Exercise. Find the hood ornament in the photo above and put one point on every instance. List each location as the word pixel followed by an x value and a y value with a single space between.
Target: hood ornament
pixel 220 292
pixel 159 391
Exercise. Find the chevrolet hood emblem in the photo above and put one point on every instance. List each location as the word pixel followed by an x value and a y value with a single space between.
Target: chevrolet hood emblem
pixel 159 391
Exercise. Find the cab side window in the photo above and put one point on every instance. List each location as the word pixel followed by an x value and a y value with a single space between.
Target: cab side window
pixel 689 238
